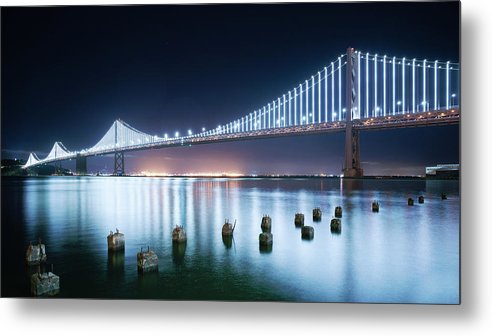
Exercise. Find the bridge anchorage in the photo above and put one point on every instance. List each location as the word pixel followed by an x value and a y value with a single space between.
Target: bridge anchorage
pixel 376 93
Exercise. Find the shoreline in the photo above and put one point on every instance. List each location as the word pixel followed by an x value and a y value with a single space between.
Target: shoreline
pixel 424 178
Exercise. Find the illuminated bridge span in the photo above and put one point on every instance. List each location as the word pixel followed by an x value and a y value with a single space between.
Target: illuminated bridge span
pixel 357 91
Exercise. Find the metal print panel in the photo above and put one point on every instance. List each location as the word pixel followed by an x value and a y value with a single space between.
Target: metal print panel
pixel 254 152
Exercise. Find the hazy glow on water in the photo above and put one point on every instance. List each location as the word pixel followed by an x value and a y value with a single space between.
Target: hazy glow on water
pixel 401 254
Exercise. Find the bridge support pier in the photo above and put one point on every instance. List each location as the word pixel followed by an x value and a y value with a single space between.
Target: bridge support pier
pixel 352 153
pixel 119 164
pixel 81 165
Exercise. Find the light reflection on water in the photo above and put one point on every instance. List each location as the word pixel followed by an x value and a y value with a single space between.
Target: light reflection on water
pixel 401 254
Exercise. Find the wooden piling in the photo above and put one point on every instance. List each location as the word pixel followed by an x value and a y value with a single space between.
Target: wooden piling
pixel 179 234
pixel 299 220
pixel 228 228
pixel 338 212
pixel 316 214
pixel 266 238
pixel 266 224
pixel 336 225
pixel 307 232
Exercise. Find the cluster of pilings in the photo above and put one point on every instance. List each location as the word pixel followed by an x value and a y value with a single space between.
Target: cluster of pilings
pixel 43 283
pixel 421 199
pixel 148 261
pixel 48 283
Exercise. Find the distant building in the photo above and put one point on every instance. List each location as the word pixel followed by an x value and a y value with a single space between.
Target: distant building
pixel 443 171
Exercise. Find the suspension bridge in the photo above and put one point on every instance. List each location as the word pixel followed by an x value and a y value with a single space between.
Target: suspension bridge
pixel 356 92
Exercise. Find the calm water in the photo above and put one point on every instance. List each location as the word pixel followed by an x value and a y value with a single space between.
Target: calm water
pixel 401 254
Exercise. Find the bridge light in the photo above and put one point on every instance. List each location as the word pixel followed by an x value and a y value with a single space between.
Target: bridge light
pixel 176 134
pixel 203 129
pixel 189 132
pixel 165 135
pixel 398 102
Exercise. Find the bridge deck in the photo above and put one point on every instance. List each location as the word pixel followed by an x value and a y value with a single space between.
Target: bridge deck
pixel 431 118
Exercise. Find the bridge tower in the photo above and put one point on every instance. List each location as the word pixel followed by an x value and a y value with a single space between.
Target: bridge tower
pixel 352 147
pixel 119 164
pixel 119 157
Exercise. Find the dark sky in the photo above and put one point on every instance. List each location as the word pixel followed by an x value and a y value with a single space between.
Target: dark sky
pixel 69 72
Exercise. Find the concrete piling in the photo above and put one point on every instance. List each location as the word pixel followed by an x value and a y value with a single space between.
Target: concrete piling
pixel 375 206
pixel 421 199
pixel 45 283
pixel 338 212
pixel 116 241
pixel 410 201
pixel 307 232
pixel 228 228
pixel 179 234
pixel 266 224
pixel 179 253
pixel 227 240
pixel 36 254
pixel 316 214
pixel 336 225
pixel 265 249
pixel 147 261
pixel 299 220
pixel 266 238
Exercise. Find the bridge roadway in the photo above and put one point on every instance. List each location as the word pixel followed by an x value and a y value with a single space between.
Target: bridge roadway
pixel 429 118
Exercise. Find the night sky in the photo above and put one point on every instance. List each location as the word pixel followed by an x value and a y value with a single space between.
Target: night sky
pixel 69 72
